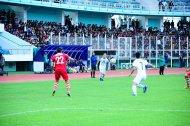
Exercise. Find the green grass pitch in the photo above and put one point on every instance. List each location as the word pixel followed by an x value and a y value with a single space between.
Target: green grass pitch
pixel 95 103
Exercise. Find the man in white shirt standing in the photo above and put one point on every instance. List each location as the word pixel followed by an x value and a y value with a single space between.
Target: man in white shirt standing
pixel 102 66
pixel 139 64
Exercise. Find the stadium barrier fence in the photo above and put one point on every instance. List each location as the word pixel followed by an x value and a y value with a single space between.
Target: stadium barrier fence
pixel 125 47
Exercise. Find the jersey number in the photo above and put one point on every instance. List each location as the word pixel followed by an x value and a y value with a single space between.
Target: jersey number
pixel 60 60
pixel 141 65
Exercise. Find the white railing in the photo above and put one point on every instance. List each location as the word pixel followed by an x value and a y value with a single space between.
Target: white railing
pixel 126 47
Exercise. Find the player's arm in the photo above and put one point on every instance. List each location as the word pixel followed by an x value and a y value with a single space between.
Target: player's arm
pixel 108 62
pixel 70 58
pixel 53 64
pixel 97 61
pixel 133 69
pixel 149 64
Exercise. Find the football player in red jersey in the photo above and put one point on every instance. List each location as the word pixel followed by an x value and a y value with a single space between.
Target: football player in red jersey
pixel 60 63
pixel 187 78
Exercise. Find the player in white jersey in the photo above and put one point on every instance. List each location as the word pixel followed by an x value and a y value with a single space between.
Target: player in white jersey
pixel 102 66
pixel 140 65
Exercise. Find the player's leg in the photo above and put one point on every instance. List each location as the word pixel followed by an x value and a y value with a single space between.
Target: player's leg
pixel 77 68
pixel 187 79
pixel 136 81
pixel 1 67
pixel 91 72
pixel 160 70
pixel 66 78
pixel 102 74
pixel 94 72
pixel 68 88
pixel 57 77
pixel 140 85
pixel 134 89
pixel 163 70
pixel 166 65
pixel 82 69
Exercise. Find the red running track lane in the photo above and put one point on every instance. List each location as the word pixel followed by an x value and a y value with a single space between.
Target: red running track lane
pixel 45 77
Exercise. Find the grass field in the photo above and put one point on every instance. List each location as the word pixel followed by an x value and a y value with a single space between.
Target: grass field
pixel 94 103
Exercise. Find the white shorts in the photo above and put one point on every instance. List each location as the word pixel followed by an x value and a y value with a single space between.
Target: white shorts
pixel 139 78
pixel 102 70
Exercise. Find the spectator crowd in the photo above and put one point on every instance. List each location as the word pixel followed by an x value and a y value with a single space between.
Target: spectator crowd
pixel 165 5
pixel 38 33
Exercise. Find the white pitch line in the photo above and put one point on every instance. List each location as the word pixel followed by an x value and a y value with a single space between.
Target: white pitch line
pixel 95 109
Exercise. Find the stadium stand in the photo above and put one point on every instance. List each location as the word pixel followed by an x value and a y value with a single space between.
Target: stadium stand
pixel 103 37
pixel 38 32
pixel 177 5
pixel 183 5
pixel 125 4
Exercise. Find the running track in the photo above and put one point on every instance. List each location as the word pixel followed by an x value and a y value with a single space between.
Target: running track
pixel 45 77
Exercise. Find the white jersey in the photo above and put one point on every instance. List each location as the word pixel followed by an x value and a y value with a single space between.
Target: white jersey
pixel 140 64
pixel 103 63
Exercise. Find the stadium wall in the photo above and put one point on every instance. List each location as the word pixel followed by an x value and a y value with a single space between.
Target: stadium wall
pixel 93 18
pixel 44 14
pixel 10 66
pixel 154 22
pixel 150 21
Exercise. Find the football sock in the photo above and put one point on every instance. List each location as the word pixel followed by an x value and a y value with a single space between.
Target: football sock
pixel 187 81
pixel 91 73
pixel 134 88
pixel 140 86
pixel 67 86
pixel 101 76
pixel 55 85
